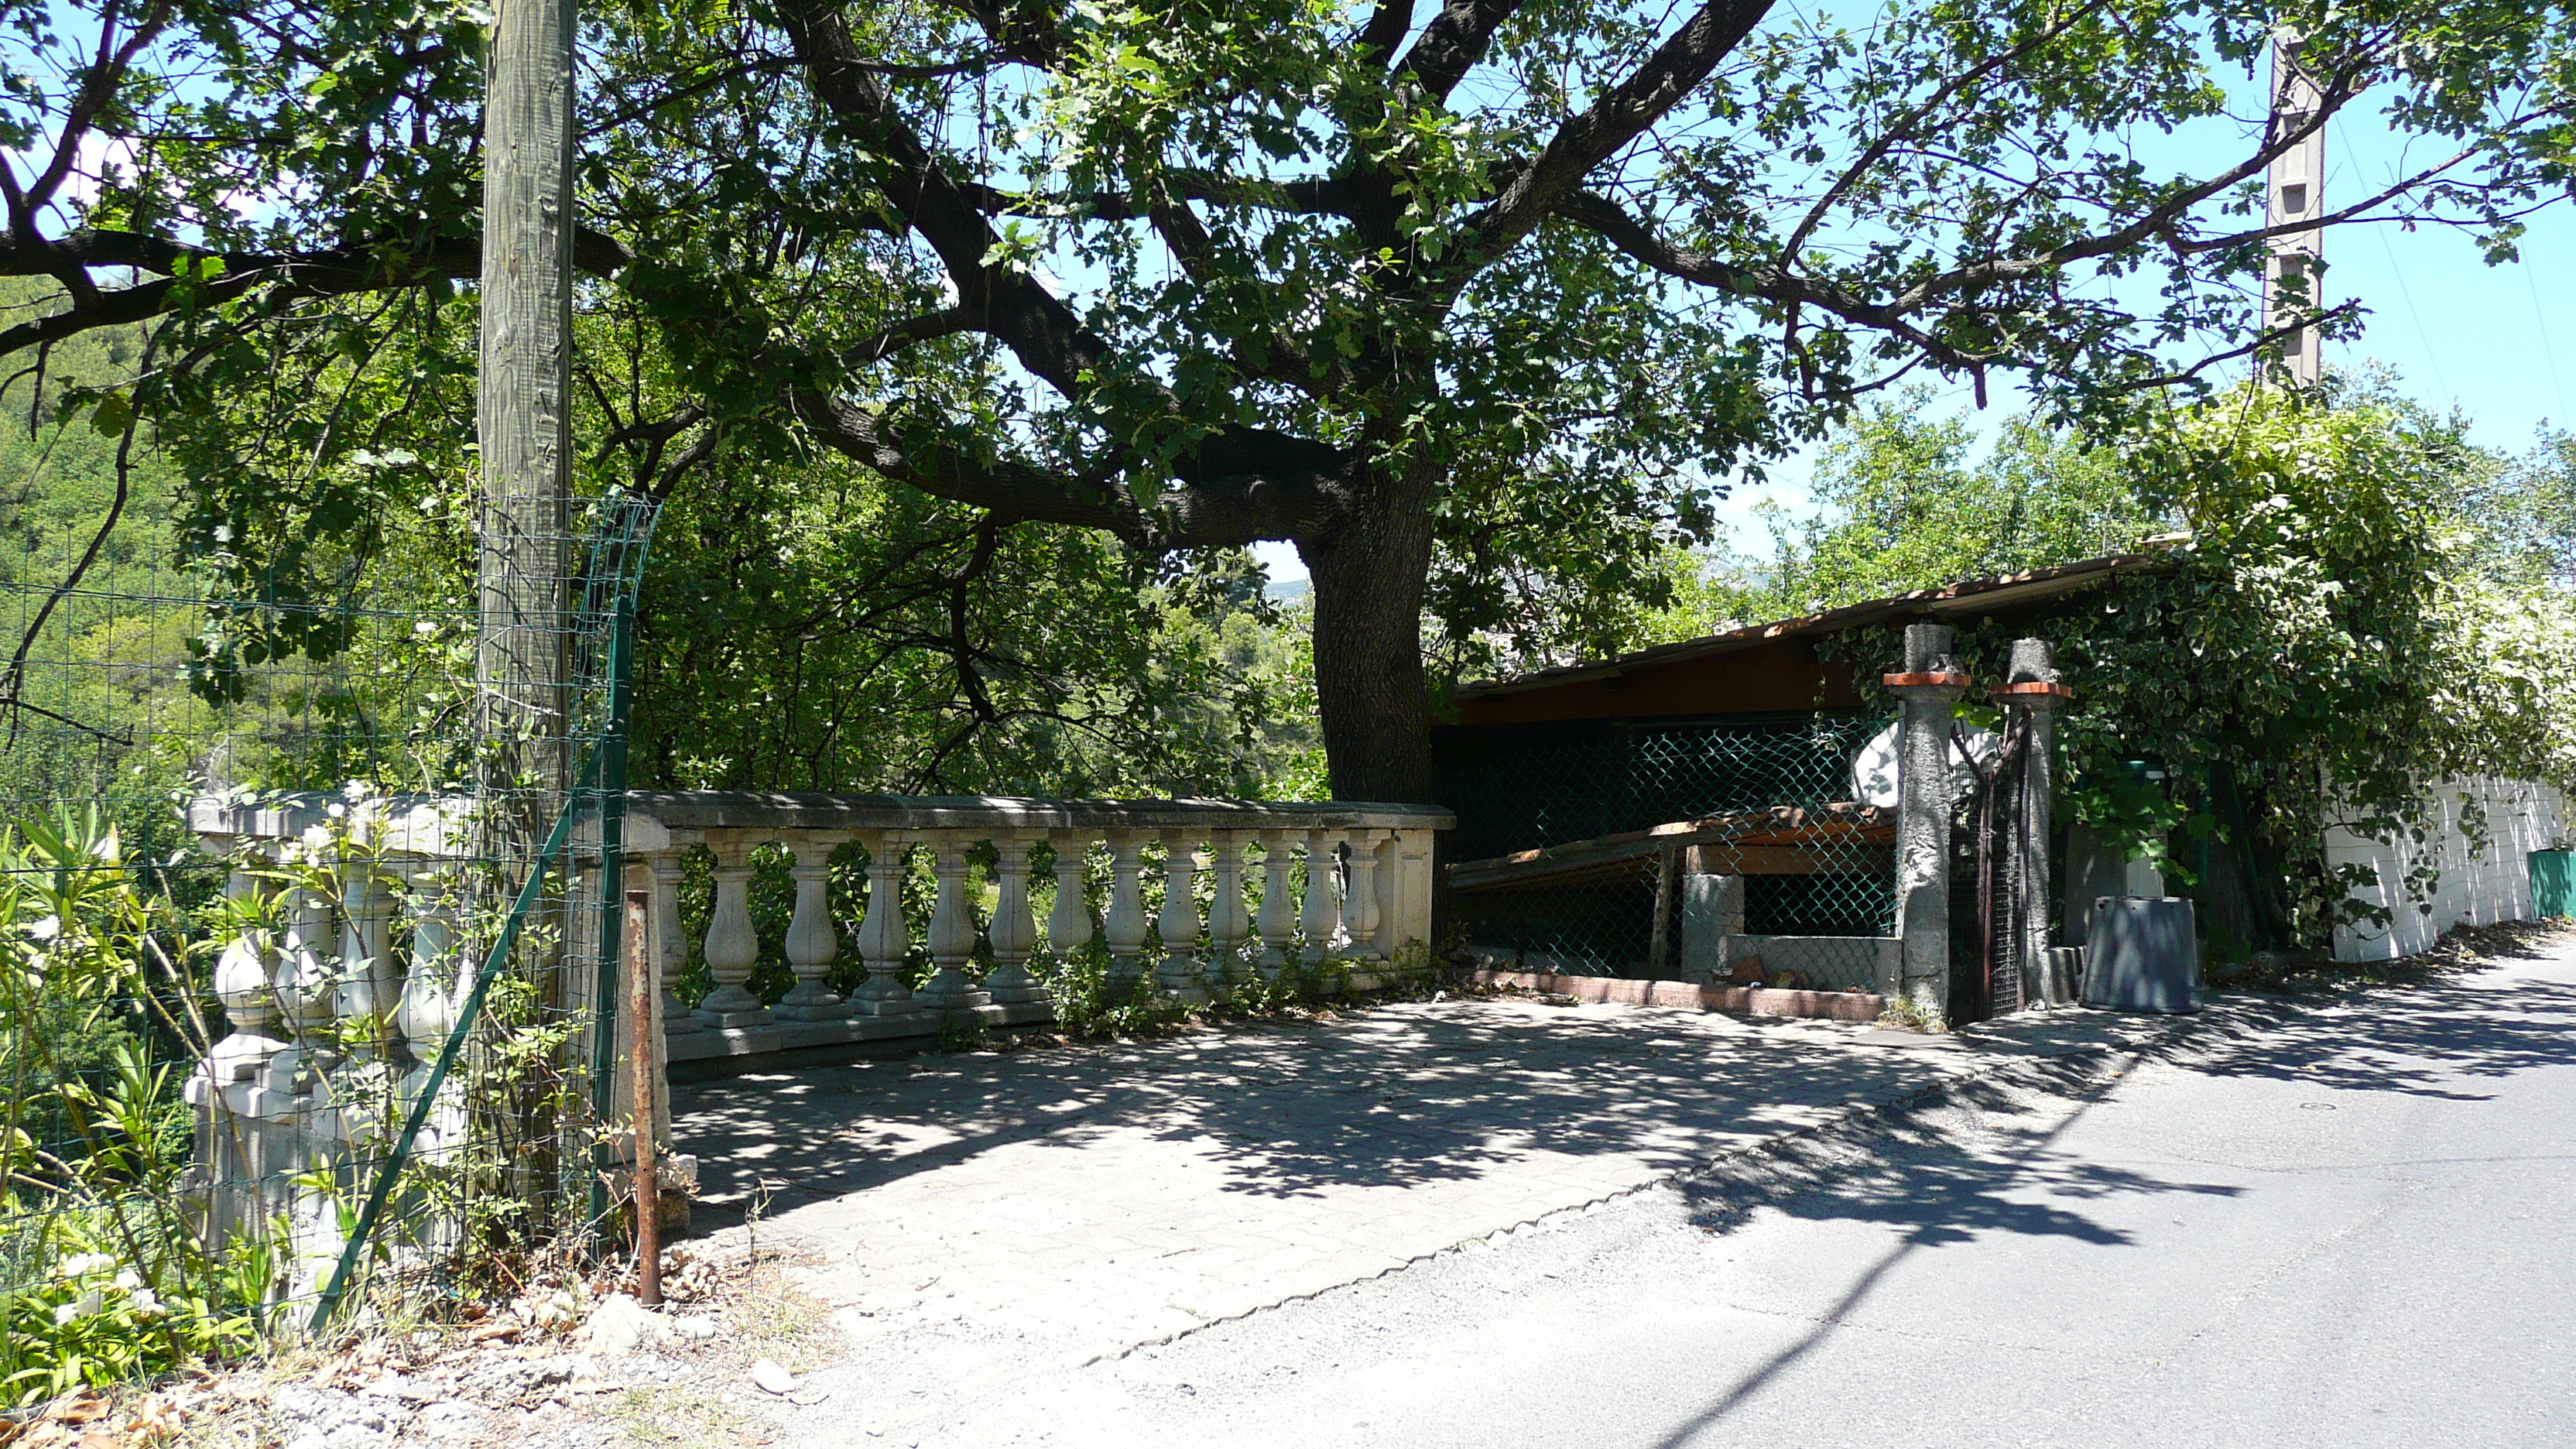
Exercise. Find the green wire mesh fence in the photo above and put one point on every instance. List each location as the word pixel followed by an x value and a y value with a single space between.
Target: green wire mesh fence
pixel 264 867
pixel 1751 848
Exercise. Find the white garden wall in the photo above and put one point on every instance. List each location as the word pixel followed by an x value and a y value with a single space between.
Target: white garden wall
pixel 2489 885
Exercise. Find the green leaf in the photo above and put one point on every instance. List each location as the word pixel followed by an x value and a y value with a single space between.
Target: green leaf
pixel 112 414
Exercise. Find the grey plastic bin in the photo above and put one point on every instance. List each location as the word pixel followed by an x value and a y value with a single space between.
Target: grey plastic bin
pixel 2138 954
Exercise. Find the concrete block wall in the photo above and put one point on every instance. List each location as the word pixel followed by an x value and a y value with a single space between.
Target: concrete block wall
pixel 2480 887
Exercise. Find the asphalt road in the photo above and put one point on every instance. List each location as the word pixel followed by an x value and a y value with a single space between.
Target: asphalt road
pixel 2352 1227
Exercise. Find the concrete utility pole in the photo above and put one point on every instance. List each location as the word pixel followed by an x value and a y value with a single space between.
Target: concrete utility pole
pixel 523 415
pixel 2296 187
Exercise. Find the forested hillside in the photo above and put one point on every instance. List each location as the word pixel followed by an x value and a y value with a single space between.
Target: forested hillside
pixel 801 627
pixel 98 667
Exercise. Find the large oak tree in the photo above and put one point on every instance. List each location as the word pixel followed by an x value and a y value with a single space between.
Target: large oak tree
pixel 1461 300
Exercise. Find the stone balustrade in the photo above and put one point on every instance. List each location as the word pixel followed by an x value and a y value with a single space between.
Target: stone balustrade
pixel 337 1012
pixel 1371 900
pixel 386 950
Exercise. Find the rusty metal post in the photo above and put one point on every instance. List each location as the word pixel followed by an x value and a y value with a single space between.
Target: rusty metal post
pixel 648 1183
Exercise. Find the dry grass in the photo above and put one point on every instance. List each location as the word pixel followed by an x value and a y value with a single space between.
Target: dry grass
pixel 700 1395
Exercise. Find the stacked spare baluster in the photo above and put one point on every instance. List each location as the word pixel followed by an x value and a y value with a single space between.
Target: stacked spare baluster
pixel 332 1026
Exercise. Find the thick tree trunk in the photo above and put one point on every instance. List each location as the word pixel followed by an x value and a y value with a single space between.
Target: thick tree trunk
pixel 1369 575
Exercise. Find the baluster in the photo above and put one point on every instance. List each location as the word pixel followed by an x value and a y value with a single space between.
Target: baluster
pixel 733 945
pixel 1014 931
pixel 1228 922
pixel 302 987
pixel 1384 935
pixel 1409 890
pixel 1125 928
pixel 1359 900
pixel 1323 913
pixel 426 1013
pixel 1178 925
pixel 1069 926
pixel 670 948
pixel 952 932
pixel 427 1010
pixel 811 943
pixel 242 976
pixel 1278 921
pixel 885 937
pixel 366 994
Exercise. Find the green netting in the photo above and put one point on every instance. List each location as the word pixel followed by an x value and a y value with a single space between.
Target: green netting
pixel 1788 805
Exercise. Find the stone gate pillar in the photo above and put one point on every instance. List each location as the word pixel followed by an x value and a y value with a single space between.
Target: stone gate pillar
pixel 1929 684
pixel 2031 687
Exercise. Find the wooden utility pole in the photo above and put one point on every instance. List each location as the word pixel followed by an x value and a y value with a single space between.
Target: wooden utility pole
pixel 2296 186
pixel 522 416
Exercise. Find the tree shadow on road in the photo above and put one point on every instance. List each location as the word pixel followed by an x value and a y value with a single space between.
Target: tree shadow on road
pixel 1392 1097
pixel 1411 1095
pixel 2432 1040
pixel 2438 1039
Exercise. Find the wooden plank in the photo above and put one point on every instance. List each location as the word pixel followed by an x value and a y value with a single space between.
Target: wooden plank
pixel 1784 825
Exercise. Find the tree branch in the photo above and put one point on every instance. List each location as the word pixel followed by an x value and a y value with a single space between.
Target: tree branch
pixel 336 271
pixel 946 322
pixel 1771 282
pixel 1046 336
pixel 2156 220
pixel 97 88
pixel 1386 29
pixel 1451 44
pixel 1677 68
pixel 961 644
pixel 1242 484
pixel 1028 31
pixel 1223 510
pixel 1311 196
pixel 1903 129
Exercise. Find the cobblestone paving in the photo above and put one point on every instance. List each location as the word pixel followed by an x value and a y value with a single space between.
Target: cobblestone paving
pixel 1101 1197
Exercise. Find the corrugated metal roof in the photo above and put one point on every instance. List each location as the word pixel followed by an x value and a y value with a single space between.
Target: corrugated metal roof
pixel 1972 596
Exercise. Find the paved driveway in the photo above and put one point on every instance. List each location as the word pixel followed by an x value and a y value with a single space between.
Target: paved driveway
pixel 1095 1198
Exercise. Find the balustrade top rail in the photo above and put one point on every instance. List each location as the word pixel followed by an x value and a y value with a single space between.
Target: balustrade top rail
pixel 405 824
pixel 435 824
pixel 697 811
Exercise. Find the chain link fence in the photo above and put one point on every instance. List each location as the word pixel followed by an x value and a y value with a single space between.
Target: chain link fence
pixel 1758 848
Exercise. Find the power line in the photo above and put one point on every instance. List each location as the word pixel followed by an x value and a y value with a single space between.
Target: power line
pixel 2540 319
pixel 2399 273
